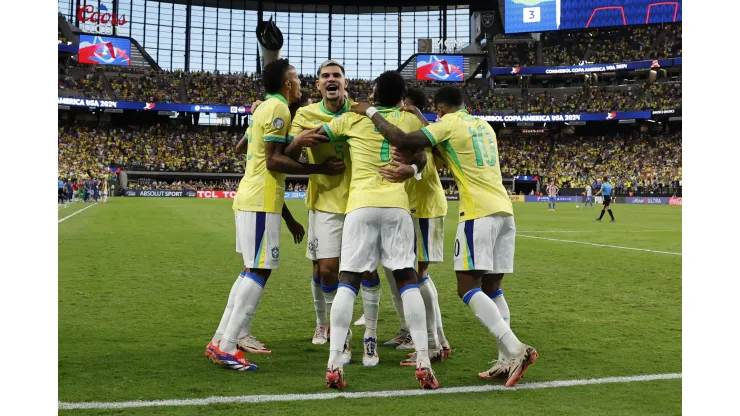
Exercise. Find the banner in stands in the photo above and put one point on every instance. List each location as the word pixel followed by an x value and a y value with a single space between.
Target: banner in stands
pixel 532 198
pixel 208 108
pixel 527 178
pixel 128 105
pixel 547 118
pixel 160 193
pixel 517 198
pixel 232 195
pixel 581 69
pixel 651 200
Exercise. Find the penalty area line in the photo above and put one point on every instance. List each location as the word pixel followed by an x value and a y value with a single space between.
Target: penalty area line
pixel 76 212
pixel 265 398
pixel 600 245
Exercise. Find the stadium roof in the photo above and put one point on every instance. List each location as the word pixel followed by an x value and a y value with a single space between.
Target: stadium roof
pixel 351 6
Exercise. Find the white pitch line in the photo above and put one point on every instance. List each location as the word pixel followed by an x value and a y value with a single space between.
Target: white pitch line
pixel 597 230
pixel 265 398
pixel 600 245
pixel 76 212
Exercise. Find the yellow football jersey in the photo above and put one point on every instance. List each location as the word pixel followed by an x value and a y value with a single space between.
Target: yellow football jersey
pixel 325 193
pixel 369 152
pixel 261 190
pixel 426 196
pixel 468 146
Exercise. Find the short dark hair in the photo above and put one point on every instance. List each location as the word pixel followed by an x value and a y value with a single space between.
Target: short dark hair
pixel 449 95
pixel 606 179
pixel 274 75
pixel 390 88
pixel 417 97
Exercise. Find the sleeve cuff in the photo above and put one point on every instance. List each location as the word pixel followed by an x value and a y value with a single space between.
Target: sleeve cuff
pixel 429 136
pixel 289 138
pixel 276 139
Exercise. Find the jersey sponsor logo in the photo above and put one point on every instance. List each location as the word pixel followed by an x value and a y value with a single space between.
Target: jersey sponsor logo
pixel 313 245
pixel 278 123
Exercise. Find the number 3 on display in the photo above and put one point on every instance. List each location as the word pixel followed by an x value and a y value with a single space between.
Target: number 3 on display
pixel 531 15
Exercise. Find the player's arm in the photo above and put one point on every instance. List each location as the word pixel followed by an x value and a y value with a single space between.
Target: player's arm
pixel 243 144
pixel 299 138
pixel 295 228
pixel 598 193
pixel 402 168
pixel 394 135
pixel 415 111
pixel 277 161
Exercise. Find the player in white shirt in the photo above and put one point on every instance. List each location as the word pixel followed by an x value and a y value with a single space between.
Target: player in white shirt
pixel 589 196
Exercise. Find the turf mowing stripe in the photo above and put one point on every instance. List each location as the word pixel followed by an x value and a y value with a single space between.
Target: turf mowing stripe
pixel 264 398
pixel 76 212
pixel 599 245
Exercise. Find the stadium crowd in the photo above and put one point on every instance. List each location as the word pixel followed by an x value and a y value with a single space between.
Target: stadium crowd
pixel 637 163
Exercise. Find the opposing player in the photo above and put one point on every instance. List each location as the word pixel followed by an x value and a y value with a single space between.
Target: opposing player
pixel 428 209
pixel 378 228
pixel 606 190
pixel 589 197
pixel 552 192
pixel 258 204
pixel 484 244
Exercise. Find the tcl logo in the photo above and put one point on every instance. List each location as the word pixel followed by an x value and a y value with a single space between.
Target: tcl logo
pixel 216 194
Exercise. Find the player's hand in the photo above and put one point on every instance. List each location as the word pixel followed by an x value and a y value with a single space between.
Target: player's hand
pixel 308 138
pixel 396 172
pixel 411 109
pixel 332 166
pixel 360 108
pixel 403 156
pixel 296 229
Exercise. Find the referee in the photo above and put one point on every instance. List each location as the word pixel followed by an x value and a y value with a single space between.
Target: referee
pixel 606 190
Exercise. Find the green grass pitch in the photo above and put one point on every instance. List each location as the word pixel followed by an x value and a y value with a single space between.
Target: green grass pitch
pixel 143 283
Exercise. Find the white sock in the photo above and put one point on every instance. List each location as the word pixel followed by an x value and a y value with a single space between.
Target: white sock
pixel 437 313
pixel 488 314
pixel 396 297
pixel 429 301
pixel 319 303
pixel 503 308
pixel 247 322
pixel 245 303
pixel 370 306
pixel 227 312
pixel 413 306
pixel 340 317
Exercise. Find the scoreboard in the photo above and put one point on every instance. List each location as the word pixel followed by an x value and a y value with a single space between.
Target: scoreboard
pixel 523 16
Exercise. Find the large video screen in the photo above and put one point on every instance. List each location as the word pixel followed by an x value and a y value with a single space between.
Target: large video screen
pixel 445 68
pixel 521 16
pixel 103 50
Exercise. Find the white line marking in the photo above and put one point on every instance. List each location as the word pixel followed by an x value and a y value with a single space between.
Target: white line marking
pixel 76 212
pixel 599 245
pixel 594 231
pixel 264 398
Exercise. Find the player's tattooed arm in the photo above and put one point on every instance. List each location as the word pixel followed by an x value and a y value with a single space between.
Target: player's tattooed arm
pixel 394 135
pixel 277 161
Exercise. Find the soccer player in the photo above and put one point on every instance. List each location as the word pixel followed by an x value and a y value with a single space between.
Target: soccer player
pixel 428 209
pixel 104 181
pixel 589 198
pixel 484 244
pixel 552 192
pixel 606 190
pixel 378 227
pixel 60 193
pixel 258 204
pixel 326 196
pixel 96 189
